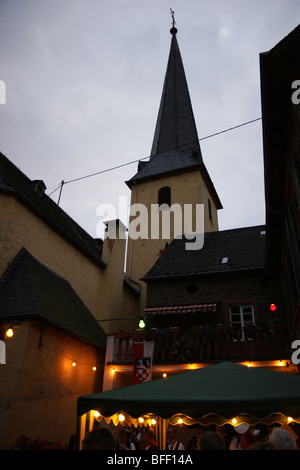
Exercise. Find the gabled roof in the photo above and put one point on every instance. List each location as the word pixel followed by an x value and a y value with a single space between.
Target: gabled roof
pixel 225 251
pixel 28 289
pixel 15 183
pixel 175 144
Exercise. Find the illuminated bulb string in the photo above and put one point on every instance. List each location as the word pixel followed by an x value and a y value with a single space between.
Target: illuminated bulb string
pixel 71 359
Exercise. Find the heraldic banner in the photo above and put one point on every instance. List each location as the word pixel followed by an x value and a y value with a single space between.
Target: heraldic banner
pixel 142 362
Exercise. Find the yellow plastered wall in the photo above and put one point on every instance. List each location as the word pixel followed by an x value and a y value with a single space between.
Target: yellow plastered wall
pixel 40 387
pixel 118 304
pixel 20 227
pixel 100 289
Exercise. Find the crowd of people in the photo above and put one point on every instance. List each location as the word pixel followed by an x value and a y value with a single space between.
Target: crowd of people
pixel 241 437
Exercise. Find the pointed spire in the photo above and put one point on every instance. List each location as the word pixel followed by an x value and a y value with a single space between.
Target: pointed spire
pixel 175 127
pixel 175 144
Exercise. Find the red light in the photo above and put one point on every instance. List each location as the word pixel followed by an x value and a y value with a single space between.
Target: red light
pixel 273 307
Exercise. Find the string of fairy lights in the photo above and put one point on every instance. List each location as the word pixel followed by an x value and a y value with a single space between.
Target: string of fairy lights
pixel 9 333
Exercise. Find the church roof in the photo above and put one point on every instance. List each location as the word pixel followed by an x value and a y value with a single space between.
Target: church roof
pixel 175 146
pixel 223 251
pixel 17 184
pixel 28 289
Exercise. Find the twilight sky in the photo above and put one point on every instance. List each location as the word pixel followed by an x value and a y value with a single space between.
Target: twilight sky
pixel 83 86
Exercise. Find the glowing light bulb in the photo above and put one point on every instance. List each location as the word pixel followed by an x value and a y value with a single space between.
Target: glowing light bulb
pixel 96 414
pixel 9 332
pixel 121 417
pixel 234 421
pixel 141 420
pixel 153 421
pixel 164 375
pixel 94 368
pixel 289 419
pixel 74 363
pixel 180 421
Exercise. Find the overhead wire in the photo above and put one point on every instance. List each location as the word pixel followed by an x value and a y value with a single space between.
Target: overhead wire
pixel 59 186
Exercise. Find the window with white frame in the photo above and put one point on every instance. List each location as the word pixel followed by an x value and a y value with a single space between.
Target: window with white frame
pixel 242 316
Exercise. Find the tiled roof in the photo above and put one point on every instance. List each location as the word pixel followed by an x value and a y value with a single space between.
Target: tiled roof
pixel 164 163
pixel 28 289
pixel 14 182
pixel 223 251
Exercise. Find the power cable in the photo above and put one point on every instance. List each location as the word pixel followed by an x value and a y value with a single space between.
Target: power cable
pixel 145 158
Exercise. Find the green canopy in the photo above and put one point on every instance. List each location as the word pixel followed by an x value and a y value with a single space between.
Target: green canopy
pixel 226 389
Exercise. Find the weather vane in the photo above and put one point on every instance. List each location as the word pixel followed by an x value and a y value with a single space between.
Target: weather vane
pixel 173 29
pixel 173 19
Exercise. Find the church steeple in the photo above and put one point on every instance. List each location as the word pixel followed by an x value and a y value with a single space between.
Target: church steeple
pixel 175 126
pixel 172 179
pixel 175 144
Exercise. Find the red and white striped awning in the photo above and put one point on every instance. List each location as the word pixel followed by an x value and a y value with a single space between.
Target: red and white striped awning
pixel 198 308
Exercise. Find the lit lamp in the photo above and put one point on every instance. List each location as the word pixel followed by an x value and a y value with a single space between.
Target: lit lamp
pixel 142 324
pixel 9 332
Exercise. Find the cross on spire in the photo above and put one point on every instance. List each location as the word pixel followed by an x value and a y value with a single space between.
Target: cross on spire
pixel 173 30
pixel 173 19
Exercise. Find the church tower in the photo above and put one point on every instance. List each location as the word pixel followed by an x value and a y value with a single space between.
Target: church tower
pixel 172 180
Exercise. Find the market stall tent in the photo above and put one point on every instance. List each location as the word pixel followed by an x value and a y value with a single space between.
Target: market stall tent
pixel 214 394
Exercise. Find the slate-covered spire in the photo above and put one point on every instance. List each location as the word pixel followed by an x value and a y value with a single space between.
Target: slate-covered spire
pixel 175 144
pixel 175 127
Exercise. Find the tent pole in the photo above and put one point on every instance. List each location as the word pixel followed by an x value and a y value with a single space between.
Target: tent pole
pixel 80 432
pixel 162 433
